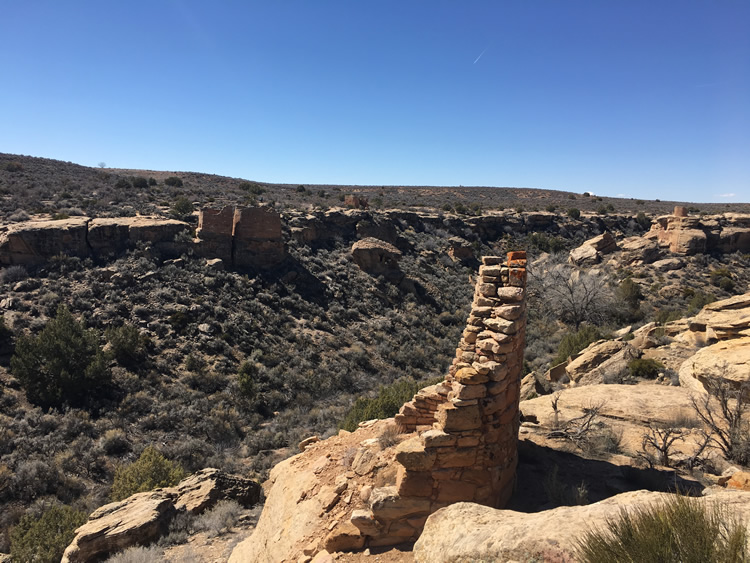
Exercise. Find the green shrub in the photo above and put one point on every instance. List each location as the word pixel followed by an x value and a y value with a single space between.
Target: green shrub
pixel 642 220
pixel 645 368
pixel 386 403
pixel 574 342
pixel 151 471
pixel 681 530
pixel 722 278
pixel 574 213
pixel 182 207
pixel 127 343
pixel 140 182
pixel 252 187
pixel 629 293
pixel 173 181
pixel 61 365
pixel 44 538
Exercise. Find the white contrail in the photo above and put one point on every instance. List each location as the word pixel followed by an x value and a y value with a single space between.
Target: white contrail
pixel 480 55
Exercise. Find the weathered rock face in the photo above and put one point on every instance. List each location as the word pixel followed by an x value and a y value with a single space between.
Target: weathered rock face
pixel 139 519
pixel 728 318
pixel 602 359
pixel 591 251
pixel 469 532
pixel 35 242
pixel 694 235
pixel 726 360
pixel 142 518
pixel 378 258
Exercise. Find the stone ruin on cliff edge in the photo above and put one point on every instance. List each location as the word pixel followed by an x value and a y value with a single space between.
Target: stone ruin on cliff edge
pixel 465 447
pixel 243 237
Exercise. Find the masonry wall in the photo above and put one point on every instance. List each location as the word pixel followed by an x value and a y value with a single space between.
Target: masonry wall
pixel 243 237
pixel 465 446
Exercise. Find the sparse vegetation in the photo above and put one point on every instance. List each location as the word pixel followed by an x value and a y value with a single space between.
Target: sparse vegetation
pixel 151 471
pixel 681 529
pixel 43 538
pixel 63 365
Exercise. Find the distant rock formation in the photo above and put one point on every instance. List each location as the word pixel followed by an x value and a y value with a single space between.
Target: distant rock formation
pixel 686 235
pixel 33 243
pixel 242 237
pixel 378 258
pixel 144 517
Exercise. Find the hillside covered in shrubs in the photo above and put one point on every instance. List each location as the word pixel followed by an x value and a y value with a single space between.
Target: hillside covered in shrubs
pixel 105 361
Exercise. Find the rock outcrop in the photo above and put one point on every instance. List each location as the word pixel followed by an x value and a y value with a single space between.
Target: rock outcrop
pixel 591 251
pixel 725 326
pixel 454 441
pixel 144 517
pixel 35 242
pixel 378 258
pixel 602 361
pixel 243 237
pixel 470 532
pixel 686 235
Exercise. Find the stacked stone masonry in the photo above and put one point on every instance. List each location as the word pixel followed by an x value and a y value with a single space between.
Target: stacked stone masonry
pixel 242 237
pixel 466 427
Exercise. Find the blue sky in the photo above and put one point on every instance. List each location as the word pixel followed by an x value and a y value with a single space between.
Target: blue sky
pixel 634 98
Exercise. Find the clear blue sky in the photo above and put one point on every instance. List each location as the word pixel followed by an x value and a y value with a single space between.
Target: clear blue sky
pixel 646 99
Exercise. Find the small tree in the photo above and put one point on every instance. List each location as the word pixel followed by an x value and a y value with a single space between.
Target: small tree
pixel 44 538
pixel 723 411
pixel 128 344
pixel 173 181
pixel 182 207
pixel 151 471
pixel 61 365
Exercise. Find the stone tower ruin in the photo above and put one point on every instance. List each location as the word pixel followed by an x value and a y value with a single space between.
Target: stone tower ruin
pixel 466 427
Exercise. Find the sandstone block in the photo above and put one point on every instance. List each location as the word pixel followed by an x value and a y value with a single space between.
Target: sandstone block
pixel 510 294
pixel 413 455
pixel 470 376
pixel 509 312
pixel 487 289
pixel 456 491
pixel 386 504
pixel 414 483
pixel 456 457
pixel 451 418
pixel 365 522
pixel 344 537
pixel 436 438
pixel 501 325
pixel 467 392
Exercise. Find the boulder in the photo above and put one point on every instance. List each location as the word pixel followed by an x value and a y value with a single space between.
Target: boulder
pixel 203 489
pixel 144 517
pixel 595 356
pixel 668 264
pixel 727 360
pixel 639 250
pixel 138 520
pixel 378 258
pixel 591 251
pixel 470 532
pixel 728 318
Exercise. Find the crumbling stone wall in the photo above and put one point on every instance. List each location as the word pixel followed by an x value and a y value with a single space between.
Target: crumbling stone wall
pixel 465 447
pixel 242 237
